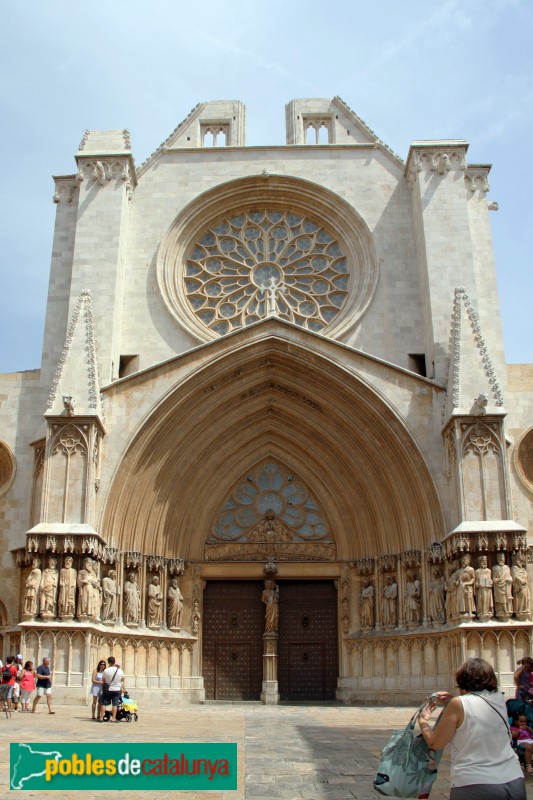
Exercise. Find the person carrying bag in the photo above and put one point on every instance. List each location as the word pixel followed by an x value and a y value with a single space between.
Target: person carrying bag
pixel 408 766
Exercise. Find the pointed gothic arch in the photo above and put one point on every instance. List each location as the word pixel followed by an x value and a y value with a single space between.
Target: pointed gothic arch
pixel 257 399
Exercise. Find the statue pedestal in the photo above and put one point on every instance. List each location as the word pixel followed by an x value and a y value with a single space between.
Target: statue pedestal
pixel 270 693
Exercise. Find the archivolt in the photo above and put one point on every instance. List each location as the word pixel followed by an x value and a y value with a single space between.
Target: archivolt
pixel 273 399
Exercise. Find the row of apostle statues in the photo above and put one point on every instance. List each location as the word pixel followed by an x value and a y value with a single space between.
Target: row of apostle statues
pixel 68 593
pixel 461 593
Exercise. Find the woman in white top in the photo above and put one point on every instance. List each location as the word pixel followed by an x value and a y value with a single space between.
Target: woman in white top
pixel 483 766
pixel 96 688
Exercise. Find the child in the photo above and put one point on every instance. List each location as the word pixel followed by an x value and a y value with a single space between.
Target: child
pixel 16 694
pixel 523 736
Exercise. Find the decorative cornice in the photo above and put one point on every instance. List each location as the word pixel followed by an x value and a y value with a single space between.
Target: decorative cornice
pixel 68 542
pixel 484 541
pixel 102 170
pixel 440 159
pixel 388 562
pixel 111 555
pixel 364 566
pixel 65 189
pixel 176 566
pixel 411 558
pixel 434 553
pixel 156 563
pixel 133 559
pixel 476 178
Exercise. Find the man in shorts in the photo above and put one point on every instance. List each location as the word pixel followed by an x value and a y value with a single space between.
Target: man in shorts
pixel 113 677
pixel 44 685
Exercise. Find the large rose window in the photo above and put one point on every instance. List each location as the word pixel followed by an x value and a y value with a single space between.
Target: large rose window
pixel 262 262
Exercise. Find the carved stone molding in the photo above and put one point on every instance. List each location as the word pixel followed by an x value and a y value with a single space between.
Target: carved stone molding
pixel 285 390
pixel 411 558
pixel 111 555
pixel 477 180
pixel 65 190
pixel 438 160
pixel 83 306
pixel 281 551
pixel 176 566
pixel 480 437
pixel 364 566
pixel 344 588
pixel 388 563
pixel 484 541
pixel 434 553
pixel 461 299
pixel 68 543
pixel 156 563
pixel 133 559
pixel 104 170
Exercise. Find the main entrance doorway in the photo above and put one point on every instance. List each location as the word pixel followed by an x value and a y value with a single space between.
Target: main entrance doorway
pixel 234 618
pixel 307 645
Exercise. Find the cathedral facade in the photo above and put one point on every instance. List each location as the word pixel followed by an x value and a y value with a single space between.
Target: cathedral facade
pixel 273 450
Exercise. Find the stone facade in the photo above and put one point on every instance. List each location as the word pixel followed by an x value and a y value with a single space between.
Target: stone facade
pixel 269 364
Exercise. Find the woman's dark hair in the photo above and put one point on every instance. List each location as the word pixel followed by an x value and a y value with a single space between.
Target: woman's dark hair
pixel 102 661
pixel 475 675
pixel 28 665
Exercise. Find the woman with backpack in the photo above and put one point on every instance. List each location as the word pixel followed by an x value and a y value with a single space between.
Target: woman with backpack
pixel 27 685
pixel 9 673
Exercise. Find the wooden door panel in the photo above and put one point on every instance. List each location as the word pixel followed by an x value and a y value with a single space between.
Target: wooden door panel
pixel 232 640
pixel 307 646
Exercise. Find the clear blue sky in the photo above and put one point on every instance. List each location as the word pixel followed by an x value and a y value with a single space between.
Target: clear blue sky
pixel 411 70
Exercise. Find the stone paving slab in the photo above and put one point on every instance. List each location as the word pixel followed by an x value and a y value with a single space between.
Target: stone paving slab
pixel 323 752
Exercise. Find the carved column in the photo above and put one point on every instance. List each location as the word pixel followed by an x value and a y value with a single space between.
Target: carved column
pixel 270 689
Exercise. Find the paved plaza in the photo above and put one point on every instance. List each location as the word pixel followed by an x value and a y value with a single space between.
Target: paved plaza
pixel 317 752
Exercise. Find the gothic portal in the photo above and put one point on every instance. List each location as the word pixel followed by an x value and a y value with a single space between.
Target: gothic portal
pixel 273 450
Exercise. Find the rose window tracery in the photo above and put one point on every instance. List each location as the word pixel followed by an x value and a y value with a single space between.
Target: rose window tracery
pixel 264 262
pixel 270 491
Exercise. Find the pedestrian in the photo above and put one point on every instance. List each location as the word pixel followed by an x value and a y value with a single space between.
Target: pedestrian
pixel 96 688
pixel 483 762
pixel 522 679
pixel 113 684
pixel 44 686
pixel 27 685
pixel 16 693
pixel 9 673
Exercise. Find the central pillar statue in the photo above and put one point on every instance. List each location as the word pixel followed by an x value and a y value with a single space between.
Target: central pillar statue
pixel 270 597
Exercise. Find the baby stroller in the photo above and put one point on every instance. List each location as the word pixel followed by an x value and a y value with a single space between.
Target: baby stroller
pixel 126 710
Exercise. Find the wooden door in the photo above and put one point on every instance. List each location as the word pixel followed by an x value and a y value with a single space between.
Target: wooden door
pixel 307 645
pixel 232 640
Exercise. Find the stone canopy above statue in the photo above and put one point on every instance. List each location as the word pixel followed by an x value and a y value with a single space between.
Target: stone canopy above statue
pixel 270 513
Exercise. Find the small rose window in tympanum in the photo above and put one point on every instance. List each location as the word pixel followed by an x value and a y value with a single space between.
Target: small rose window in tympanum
pixel 262 262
